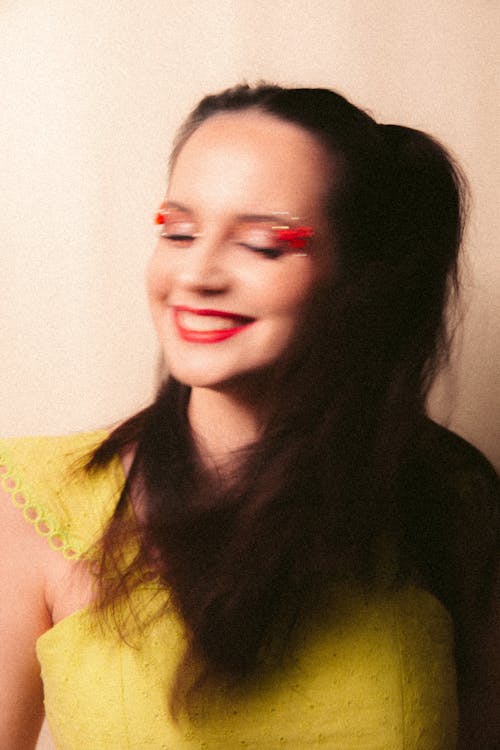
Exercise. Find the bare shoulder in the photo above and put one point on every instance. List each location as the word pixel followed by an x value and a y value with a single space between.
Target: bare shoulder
pixel 52 585
pixel 39 585
pixel 24 616
pixel 22 550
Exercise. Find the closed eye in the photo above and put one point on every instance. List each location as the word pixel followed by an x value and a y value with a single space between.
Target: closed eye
pixel 178 237
pixel 272 253
pixel 259 238
pixel 177 226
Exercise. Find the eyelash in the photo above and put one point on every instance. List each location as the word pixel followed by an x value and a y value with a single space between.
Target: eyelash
pixel 271 253
pixel 178 237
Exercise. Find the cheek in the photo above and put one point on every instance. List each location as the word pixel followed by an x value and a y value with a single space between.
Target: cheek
pixel 290 293
pixel 157 279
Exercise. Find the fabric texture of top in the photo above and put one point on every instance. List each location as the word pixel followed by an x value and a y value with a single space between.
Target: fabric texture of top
pixel 373 672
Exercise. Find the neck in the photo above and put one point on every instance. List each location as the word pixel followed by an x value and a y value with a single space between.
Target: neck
pixel 223 422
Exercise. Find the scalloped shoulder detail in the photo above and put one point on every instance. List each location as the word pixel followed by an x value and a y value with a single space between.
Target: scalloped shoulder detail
pixel 43 521
pixel 45 478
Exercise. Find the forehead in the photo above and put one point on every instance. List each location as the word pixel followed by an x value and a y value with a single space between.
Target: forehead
pixel 254 161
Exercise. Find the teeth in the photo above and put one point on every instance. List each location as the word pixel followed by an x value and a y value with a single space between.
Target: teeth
pixel 194 322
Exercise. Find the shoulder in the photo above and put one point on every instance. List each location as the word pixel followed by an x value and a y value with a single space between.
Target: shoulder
pixel 460 492
pixel 453 481
pixel 461 501
pixel 455 467
pixel 46 452
pixel 45 477
pixel 24 616
pixel 39 509
pixel 453 451
pixel 452 510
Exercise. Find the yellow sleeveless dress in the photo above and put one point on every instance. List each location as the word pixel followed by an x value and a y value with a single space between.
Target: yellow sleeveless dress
pixel 376 675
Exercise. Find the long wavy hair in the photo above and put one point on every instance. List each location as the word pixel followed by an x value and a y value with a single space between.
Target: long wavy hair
pixel 334 469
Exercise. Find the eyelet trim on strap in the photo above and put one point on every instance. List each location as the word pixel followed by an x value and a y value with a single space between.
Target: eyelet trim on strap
pixel 45 525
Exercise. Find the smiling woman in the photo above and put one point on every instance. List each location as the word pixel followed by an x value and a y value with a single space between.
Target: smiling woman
pixel 222 270
pixel 282 550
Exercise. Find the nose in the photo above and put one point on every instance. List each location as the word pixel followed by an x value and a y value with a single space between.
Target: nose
pixel 202 266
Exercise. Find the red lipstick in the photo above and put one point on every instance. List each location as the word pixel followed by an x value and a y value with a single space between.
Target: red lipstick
pixel 185 323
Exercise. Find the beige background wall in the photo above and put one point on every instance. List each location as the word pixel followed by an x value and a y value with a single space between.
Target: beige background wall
pixel 91 94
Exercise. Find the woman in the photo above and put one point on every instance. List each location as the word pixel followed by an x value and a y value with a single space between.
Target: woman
pixel 282 550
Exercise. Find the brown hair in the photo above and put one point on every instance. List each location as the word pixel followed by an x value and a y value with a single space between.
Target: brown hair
pixel 348 455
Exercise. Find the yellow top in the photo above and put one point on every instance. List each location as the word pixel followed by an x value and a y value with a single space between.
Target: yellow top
pixel 377 675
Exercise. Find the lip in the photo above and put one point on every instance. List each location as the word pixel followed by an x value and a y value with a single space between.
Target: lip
pixel 213 336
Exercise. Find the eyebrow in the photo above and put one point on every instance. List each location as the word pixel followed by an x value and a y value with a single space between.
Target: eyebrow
pixel 283 216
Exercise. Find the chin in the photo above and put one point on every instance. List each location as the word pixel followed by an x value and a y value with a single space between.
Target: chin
pixel 245 382
pixel 198 378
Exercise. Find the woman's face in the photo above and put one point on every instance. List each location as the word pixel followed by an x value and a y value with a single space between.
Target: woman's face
pixel 228 297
